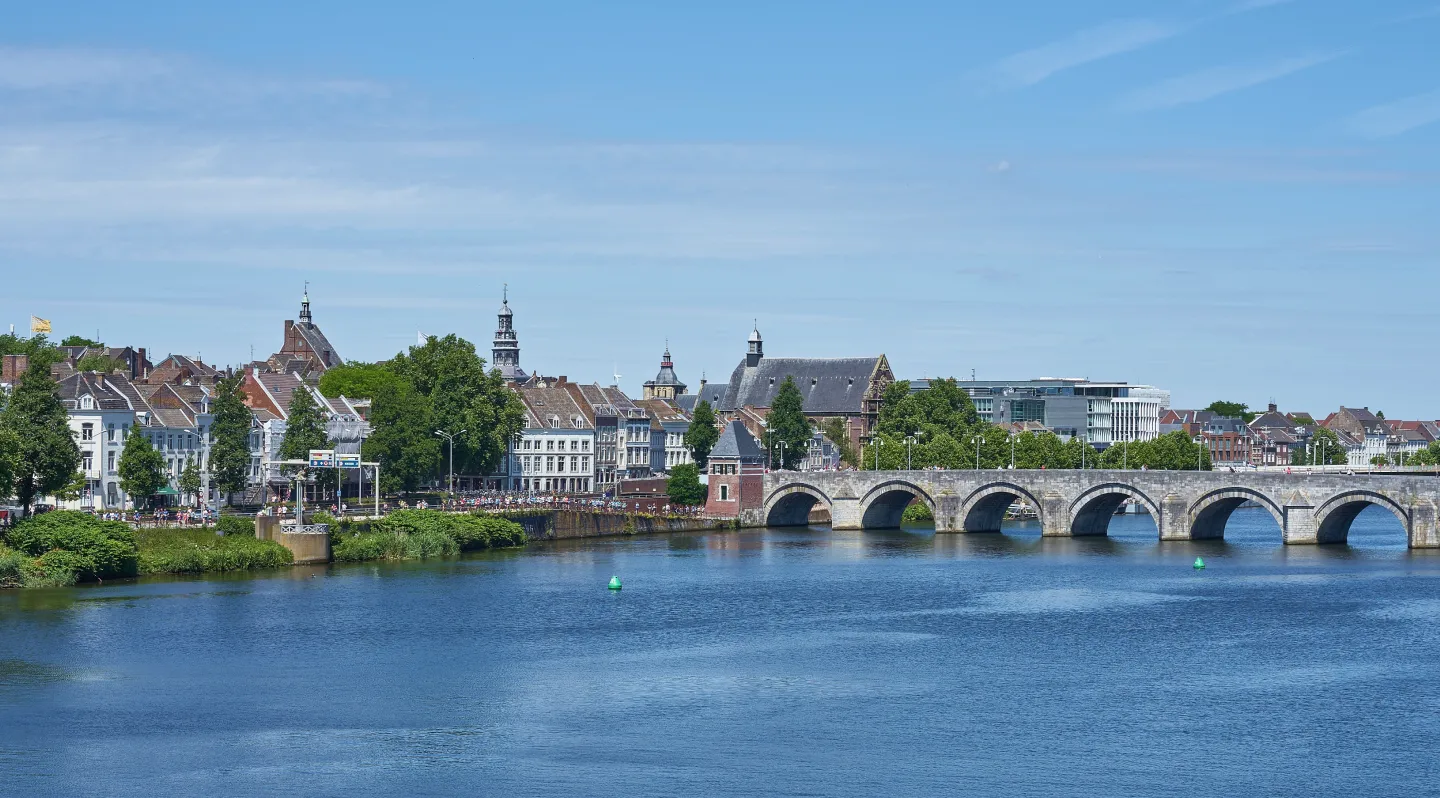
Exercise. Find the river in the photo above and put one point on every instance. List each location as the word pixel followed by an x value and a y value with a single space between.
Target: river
pixel 769 662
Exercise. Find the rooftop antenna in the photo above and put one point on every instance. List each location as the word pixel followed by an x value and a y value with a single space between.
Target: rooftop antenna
pixel 505 293
pixel 617 374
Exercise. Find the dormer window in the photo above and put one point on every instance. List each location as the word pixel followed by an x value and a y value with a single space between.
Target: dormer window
pixel 87 402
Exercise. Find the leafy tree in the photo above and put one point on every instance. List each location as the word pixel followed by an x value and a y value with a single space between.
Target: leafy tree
pixel 1379 460
pixel 229 436
pixel 101 363
pixel 37 348
pixel 834 430
pixel 1232 410
pixel 402 437
pixel 703 434
pixel 684 486
pixel 46 457
pixel 9 455
pixel 787 424
pixel 1173 451
pixel 142 469
pixel 190 482
pixel 463 396
pixel 356 380
pixel 80 340
pixel 75 489
pixel 1428 456
pixel 1080 454
pixel 1380 414
pixel 945 406
pixel 305 430
pixel 1324 449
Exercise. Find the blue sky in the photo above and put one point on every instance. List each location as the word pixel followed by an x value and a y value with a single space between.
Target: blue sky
pixel 1226 198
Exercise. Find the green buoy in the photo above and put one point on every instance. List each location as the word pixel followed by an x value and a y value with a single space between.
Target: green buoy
pixel 1199 563
pixel 614 583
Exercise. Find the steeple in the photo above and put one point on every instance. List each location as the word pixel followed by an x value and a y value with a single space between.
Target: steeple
pixel 665 385
pixel 505 354
pixel 757 348
pixel 305 305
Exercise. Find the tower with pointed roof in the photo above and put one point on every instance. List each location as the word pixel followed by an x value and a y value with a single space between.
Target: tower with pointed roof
pixel 665 385
pixel 505 351
pixel 306 350
pixel 757 348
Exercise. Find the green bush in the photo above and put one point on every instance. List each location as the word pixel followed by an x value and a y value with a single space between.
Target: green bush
pixel 12 568
pixel 393 546
pixel 180 551
pixel 475 532
pixel 101 549
pixel 235 525
pixel 917 513
pixel 58 568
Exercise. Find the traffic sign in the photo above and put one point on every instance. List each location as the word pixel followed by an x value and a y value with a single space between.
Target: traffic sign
pixel 322 458
pixel 347 461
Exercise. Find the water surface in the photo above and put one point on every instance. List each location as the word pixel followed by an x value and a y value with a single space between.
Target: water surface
pixel 774 662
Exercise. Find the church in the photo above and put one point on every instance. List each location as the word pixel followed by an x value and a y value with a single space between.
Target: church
pixel 849 388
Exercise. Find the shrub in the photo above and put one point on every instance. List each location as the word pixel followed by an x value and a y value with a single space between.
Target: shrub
pixel 917 513
pixel 179 551
pixel 474 532
pixel 235 525
pixel 12 568
pixel 392 546
pixel 102 549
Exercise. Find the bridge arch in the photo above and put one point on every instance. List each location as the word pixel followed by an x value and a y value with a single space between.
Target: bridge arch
pixel 1210 513
pixel 791 504
pixel 984 510
pixel 1334 517
pixel 882 506
pixel 1091 512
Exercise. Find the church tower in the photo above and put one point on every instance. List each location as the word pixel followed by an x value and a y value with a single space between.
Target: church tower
pixel 757 349
pixel 665 385
pixel 505 354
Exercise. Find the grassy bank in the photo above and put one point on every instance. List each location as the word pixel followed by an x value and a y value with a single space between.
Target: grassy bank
pixel 193 551
pixel 62 548
pixel 419 535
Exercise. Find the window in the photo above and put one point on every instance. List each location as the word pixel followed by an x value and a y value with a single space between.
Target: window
pixel 110 432
pixel 87 402
pixel 86 461
pixel 550 446
pixel 725 492
pixel 585 446
pixel 574 463
pixel 584 464
pixel 549 463
pixel 110 463
pixel 87 432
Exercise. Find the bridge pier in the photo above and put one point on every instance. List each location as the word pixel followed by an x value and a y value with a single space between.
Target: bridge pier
pixel 1300 528
pixel 1055 521
pixel 845 514
pixel 1424 531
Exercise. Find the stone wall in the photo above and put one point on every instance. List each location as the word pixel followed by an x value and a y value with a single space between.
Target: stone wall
pixel 567 524
pixel 310 543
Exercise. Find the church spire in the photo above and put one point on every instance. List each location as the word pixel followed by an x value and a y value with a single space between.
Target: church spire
pixel 305 305
pixel 506 352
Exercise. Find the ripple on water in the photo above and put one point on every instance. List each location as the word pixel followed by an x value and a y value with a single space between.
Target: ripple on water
pixel 1055 600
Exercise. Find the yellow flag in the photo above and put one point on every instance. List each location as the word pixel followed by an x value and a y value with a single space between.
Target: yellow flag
pixel 39 325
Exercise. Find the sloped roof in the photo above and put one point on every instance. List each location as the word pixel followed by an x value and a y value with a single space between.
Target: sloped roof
pixel 827 385
pixel 1271 419
pixel 102 387
pixel 318 343
pixel 737 442
pixel 663 410
pixel 543 403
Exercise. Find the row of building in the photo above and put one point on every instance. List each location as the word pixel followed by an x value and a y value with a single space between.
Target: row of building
pixel 1276 438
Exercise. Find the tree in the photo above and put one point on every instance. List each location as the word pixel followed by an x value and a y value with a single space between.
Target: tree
pixel 402 437
pixel 703 434
pixel 1380 414
pixel 229 436
pixel 74 490
pixel 943 407
pixel 356 380
pixel 80 340
pixel 46 456
pixel 37 348
pixel 684 486
pixel 786 424
pixel 189 482
pixel 1232 410
pixel 1080 454
pixel 142 469
pixel 1324 449
pixel 9 454
pixel 305 430
pixel 463 396
pixel 834 430
pixel 1379 460
pixel 101 363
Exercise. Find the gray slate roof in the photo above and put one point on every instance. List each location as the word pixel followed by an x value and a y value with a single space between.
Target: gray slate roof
pixel 736 441
pixel 827 385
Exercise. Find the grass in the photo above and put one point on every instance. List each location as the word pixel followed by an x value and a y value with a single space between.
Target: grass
pixel 189 551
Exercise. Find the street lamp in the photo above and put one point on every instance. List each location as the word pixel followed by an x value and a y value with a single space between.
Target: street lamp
pixel 1012 451
pixel 910 441
pixel 977 440
pixel 1199 450
pixel 878 444
pixel 1125 455
pixel 451 438
pixel 782 445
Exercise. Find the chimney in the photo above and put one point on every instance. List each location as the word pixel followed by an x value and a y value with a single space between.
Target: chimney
pixel 13 367
pixel 561 382
pixel 1273 408
pixel 140 370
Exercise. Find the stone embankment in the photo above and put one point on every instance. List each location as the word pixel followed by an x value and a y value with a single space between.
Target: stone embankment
pixel 570 524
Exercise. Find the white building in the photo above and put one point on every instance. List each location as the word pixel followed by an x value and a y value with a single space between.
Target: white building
pixel 555 452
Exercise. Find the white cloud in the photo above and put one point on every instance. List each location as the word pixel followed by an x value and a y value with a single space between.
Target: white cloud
pixel 1208 84
pixel 43 68
pixel 1401 116
pixel 1082 47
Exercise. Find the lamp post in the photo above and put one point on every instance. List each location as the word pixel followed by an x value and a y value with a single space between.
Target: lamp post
pixel 1199 450
pixel 451 439
pixel 1125 455
pixel 1012 451
pixel 977 440
pixel 910 441
pixel 782 445
pixel 878 444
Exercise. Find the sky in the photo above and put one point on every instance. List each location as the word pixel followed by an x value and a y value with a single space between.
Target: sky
pixel 1227 198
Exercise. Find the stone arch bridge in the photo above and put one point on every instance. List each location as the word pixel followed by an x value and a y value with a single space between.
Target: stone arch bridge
pixel 1186 505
